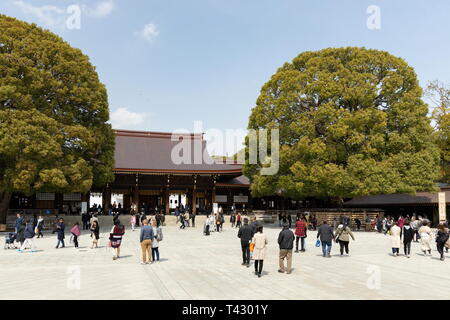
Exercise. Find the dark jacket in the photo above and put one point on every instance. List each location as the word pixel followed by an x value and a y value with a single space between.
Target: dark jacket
pixel 442 237
pixel 325 232
pixel 408 234
pixel 19 222
pixel 245 233
pixel 29 231
pixel 255 225
pixel 286 239
pixel 60 228
pixel 20 233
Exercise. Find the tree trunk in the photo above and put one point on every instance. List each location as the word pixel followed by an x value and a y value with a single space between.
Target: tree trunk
pixel 5 198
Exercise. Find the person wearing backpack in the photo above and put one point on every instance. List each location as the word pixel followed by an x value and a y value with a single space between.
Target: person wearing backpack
pixel 29 235
pixel 157 231
pixel 343 234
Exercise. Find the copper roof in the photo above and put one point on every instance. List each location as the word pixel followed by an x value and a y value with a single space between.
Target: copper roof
pixel 150 152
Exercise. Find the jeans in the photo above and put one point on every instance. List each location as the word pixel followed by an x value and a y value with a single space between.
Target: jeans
pixel 258 266
pixel 245 252
pixel 407 248
pixel 395 250
pixel 302 243
pixel 155 252
pixel 60 242
pixel 343 245
pixel 326 247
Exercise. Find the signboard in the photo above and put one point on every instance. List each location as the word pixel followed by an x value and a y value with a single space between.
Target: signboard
pixel 215 207
pixel 240 199
pixel 221 198
pixel 442 204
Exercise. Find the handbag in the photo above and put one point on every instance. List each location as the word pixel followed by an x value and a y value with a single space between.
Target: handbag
pixel 317 243
pixel 252 246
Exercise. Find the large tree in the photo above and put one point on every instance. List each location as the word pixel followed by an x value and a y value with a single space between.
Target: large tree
pixel 351 122
pixel 439 95
pixel 53 113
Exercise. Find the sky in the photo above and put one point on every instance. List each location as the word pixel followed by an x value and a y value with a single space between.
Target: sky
pixel 169 64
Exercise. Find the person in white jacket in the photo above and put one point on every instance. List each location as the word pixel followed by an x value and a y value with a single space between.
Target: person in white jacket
pixel 395 238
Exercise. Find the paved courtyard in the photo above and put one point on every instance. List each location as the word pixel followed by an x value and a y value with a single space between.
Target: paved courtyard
pixel 197 267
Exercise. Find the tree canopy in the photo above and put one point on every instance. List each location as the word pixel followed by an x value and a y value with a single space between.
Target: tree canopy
pixel 440 97
pixel 351 122
pixel 53 113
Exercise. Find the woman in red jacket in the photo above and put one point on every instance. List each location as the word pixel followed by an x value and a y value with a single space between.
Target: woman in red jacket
pixel 300 233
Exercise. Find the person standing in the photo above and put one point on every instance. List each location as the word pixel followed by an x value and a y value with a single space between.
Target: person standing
pixel 218 222
pixel 19 221
pixel 238 220
pixel 158 237
pixel 358 223
pixel 35 221
pixel 425 237
pixel 233 219
pixel 289 219
pixel 394 231
pixel 286 244
pixel 245 233
pixel 300 233
pixel 21 233
pixel 133 221
pixel 60 226
pixel 39 227
pixel 28 235
pixel 343 234
pixel 326 235
pixel 408 235
pixel 146 238
pixel 259 251
pixel 193 219
pixel 75 233
pixel 84 220
pixel 441 238
pixel 95 234
pixel 182 226
pixel 115 236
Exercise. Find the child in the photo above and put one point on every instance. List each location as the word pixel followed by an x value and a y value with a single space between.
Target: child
pixel 75 233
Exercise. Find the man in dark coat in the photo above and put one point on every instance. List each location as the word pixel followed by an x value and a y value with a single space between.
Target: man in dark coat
pixel 60 226
pixel 286 243
pixel 245 233
pixel 325 232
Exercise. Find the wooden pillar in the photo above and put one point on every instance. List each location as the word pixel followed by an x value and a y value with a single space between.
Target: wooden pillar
pixel 106 199
pixel 166 199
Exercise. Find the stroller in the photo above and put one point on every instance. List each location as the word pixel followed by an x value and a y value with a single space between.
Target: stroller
pixel 10 241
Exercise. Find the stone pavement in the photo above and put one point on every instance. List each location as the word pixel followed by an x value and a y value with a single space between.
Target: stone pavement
pixel 197 267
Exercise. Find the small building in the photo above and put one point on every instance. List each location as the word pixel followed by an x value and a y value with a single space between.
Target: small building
pixel 421 203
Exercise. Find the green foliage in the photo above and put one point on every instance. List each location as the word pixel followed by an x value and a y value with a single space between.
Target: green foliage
pixel 440 97
pixel 53 112
pixel 351 121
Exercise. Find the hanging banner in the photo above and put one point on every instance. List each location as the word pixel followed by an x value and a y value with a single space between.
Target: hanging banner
pixel 442 204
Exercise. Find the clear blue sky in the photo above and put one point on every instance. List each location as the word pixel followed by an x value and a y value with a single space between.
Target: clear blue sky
pixel 207 59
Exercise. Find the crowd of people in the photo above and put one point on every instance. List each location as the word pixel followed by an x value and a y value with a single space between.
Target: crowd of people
pixel 254 241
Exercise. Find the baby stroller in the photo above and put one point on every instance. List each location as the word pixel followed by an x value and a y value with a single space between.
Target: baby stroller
pixel 10 241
